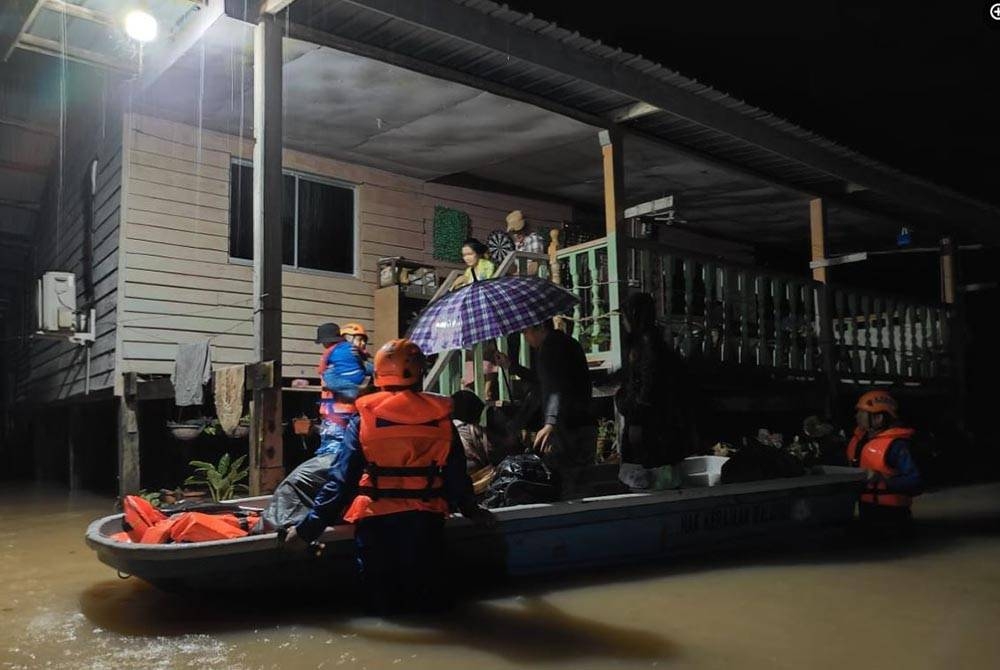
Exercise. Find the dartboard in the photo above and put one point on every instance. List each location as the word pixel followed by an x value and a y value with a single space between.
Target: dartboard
pixel 499 244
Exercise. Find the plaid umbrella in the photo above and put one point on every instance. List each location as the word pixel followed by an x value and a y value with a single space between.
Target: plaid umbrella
pixel 487 309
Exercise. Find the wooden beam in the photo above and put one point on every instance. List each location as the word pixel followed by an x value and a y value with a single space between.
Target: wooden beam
pixel 266 459
pixel 634 111
pixel 79 12
pixel 15 18
pixel 824 263
pixel 128 436
pixel 274 6
pixel 612 153
pixel 260 376
pixel 49 47
pixel 980 286
pixel 164 53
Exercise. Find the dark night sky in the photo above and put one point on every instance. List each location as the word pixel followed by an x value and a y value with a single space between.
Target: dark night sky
pixel 910 84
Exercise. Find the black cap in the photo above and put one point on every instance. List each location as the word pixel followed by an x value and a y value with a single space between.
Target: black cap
pixel 327 333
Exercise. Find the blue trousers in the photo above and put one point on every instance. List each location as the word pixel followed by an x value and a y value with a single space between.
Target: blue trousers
pixel 331 435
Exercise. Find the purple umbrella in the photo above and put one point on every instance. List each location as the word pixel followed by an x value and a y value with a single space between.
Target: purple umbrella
pixel 488 309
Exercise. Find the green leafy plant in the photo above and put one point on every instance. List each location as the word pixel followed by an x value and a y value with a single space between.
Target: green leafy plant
pixel 153 497
pixel 212 427
pixel 606 435
pixel 224 480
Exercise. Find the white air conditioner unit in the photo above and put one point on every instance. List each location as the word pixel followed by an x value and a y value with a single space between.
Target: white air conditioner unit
pixel 56 302
pixel 56 308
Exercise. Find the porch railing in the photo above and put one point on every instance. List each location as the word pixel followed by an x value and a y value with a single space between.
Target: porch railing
pixel 731 314
pixel 583 269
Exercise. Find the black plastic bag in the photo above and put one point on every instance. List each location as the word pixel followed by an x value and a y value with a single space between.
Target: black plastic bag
pixel 294 496
pixel 520 480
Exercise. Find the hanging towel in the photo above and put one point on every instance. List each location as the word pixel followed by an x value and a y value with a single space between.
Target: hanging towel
pixel 192 371
pixel 229 396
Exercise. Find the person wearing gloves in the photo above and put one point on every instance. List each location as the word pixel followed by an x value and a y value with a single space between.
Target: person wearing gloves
pixel 400 472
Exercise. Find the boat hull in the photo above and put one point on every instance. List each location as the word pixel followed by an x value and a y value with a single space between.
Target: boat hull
pixel 528 540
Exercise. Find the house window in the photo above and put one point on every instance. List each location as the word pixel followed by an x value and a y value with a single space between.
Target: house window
pixel 317 221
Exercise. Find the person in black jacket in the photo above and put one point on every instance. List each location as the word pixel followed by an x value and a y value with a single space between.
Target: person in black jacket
pixel 656 397
pixel 568 437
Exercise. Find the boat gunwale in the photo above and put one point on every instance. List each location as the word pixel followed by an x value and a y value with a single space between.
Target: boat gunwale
pixel 556 511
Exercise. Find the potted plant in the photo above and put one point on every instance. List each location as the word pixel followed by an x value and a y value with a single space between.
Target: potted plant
pixel 605 440
pixel 153 497
pixel 223 480
pixel 186 430
pixel 302 426
pixel 179 495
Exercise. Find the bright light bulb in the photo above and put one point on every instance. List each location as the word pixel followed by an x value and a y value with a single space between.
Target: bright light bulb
pixel 140 26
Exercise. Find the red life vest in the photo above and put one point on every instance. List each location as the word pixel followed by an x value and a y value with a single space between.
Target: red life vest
pixel 405 438
pixel 145 524
pixel 330 409
pixel 140 516
pixel 870 455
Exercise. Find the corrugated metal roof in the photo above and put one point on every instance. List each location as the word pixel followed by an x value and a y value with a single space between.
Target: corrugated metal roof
pixel 373 22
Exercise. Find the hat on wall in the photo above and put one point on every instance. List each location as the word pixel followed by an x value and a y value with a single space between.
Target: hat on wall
pixel 327 333
pixel 515 221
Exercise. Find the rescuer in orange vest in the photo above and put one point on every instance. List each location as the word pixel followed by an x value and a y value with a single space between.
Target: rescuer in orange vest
pixel 400 472
pixel 881 446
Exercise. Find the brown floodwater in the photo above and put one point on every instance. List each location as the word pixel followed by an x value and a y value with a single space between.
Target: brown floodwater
pixel 931 603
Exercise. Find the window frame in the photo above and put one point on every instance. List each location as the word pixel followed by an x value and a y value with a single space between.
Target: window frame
pixel 320 179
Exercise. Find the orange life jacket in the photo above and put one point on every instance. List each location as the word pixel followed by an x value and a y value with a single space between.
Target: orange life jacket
pixel 146 524
pixel 870 455
pixel 405 438
pixel 200 527
pixel 330 409
pixel 140 516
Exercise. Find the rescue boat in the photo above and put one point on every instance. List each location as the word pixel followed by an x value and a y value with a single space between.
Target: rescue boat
pixel 534 539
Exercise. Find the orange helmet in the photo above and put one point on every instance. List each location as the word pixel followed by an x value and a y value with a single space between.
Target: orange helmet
pixel 399 363
pixel 878 401
pixel 353 329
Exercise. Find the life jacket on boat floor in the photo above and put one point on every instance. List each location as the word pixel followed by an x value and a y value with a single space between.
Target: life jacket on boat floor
pixel 145 524
pixel 201 527
pixel 140 516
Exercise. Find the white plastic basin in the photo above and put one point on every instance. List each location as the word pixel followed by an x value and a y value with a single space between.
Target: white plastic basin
pixel 702 470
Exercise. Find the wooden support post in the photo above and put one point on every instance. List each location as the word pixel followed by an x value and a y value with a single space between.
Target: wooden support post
pixel 73 447
pixel 128 436
pixel 266 457
pixel 955 302
pixel 817 230
pixel 612 151
pixel 817 236
pixel 947 271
